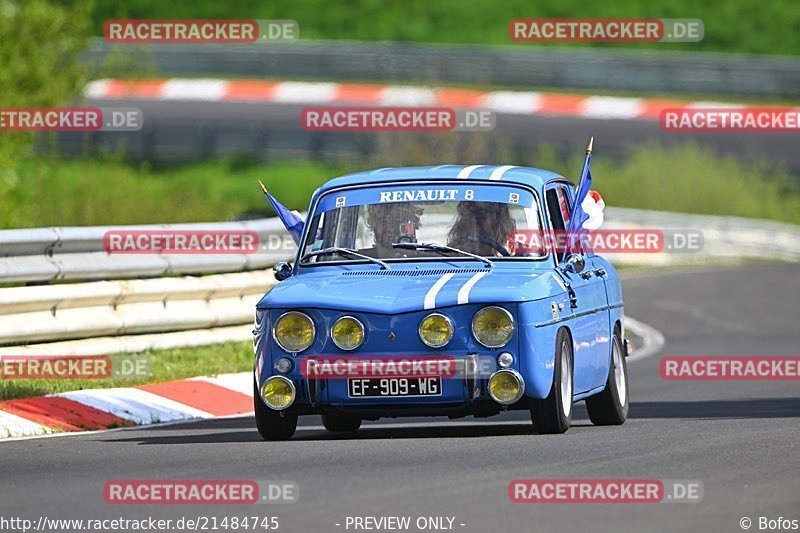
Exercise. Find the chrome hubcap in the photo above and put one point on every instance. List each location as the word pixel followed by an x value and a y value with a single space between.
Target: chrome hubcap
pixel 566 380
pixel 619 372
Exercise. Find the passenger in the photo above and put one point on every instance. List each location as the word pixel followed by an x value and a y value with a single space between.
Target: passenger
pixel 483 228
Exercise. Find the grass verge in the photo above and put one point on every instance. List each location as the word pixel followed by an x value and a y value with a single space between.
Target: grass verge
pixel 166 365
pixel 683 178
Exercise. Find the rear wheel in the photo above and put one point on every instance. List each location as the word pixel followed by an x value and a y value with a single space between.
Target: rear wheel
pixel 272 425
pixel 341 423
pixel 610 407
pixel 554 413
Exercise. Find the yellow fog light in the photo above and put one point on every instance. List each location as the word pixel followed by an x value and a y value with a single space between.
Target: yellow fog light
pixel 347 333
pixel 493 327
pixel 436 330
pixel 293 331
pixel 506 386
pixel 278 392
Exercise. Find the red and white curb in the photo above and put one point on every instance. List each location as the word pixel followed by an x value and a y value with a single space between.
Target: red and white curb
pixel 292 92
pixel 98 409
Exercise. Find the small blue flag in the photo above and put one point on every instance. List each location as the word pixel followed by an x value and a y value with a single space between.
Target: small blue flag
pixel 291 219
pixel 577 215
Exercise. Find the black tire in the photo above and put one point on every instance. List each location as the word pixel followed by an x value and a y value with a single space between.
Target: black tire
pixel 610 407
pixel 341 423
pixel 273 425
pixel 549 415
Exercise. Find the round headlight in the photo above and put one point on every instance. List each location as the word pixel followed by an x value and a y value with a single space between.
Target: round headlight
pixel 283 365
pixel 347 333
pixel 278 392
pixel 505 360
pixel 493 327
pixel 293 331
pixel 506 387
pixel 436 330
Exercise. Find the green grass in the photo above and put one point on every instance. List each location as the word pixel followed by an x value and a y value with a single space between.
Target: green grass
pixel 690 179
pixel 166 365
pixel 52 192
pixel 684 178
pixel 750 26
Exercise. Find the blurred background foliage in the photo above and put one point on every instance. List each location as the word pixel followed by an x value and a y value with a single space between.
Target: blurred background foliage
pixel 39 66
pixel 748 26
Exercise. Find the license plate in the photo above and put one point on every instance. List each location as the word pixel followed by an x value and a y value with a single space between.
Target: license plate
pixel 393 387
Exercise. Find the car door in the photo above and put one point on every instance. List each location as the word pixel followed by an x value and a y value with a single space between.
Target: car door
pixel 588 304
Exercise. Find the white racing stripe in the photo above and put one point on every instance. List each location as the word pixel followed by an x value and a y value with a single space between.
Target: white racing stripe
pixel 463 292
pixel 466 171
pixel 430 298
pixel 499 171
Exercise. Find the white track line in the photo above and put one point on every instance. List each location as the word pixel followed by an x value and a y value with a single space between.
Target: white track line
pixel 652 339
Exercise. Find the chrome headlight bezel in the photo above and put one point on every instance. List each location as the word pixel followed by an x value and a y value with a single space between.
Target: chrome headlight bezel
pixel 285 380
pixel 510 318
pixel 516 375
pixel 275 333
pixel 450 325
pixel 360 324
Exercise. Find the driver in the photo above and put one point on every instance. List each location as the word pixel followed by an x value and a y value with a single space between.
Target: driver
pixel 390 223
pixel 482 228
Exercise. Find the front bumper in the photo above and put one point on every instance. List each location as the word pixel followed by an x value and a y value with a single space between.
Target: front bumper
pixel 464 392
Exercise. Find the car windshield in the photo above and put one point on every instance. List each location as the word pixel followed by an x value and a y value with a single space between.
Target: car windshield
pixel 491 221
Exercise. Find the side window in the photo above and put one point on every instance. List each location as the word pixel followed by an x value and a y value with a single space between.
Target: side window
pixel 558 210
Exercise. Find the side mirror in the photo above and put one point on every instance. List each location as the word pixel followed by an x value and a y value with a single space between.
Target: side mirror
pixel 574 263
pixel 282 270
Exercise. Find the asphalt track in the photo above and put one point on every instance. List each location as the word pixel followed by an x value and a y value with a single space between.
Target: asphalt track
pixel 740 439
pixel 180 130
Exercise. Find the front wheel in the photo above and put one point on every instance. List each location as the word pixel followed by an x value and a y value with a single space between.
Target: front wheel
pixel 341 423
pixel 610 407
pixel 554 413
pixel 272 425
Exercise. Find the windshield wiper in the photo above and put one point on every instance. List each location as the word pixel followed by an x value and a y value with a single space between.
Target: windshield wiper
pixel 440 248
pixel 345 251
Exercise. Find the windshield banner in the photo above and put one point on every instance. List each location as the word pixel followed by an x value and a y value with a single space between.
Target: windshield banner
pixel 445 192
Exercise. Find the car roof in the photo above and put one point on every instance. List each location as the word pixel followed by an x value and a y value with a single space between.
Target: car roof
pixel 532 177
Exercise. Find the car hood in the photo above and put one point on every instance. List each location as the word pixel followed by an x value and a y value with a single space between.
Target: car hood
pixel 407 290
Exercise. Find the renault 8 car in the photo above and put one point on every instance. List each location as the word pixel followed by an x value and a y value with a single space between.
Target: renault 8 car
pixel 430 291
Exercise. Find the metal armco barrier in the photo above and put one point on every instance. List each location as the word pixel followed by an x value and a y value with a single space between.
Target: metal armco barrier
pixel 77 253
pixel 512 66
pixel 144 313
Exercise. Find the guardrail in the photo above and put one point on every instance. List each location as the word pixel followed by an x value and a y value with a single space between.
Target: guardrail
pixel 134 314
pixel 511 66
pixel 78 253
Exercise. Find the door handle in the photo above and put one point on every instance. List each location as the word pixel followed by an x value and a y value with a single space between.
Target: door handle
pixel 599 272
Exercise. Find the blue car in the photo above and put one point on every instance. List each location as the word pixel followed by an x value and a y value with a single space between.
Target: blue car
pixel 433 291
